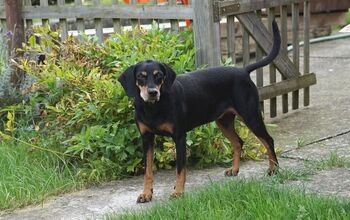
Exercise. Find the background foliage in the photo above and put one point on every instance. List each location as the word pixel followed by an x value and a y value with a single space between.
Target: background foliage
pixel 77 106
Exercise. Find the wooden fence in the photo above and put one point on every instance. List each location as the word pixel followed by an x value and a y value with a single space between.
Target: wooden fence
pixel 249 14
pixel 206 16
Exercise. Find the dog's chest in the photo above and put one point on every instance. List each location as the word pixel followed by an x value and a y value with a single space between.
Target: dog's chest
pixel 161 127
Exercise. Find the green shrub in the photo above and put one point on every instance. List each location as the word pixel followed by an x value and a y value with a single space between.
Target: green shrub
pixel 87 113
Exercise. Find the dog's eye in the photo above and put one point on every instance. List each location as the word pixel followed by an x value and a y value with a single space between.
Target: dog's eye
pixel 140 76
pixel 158 77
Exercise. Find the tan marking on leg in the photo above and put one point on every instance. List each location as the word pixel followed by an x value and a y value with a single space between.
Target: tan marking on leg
pixel 166 127
pixel 180 183
pixel 272 160
pixel 146 195
pixel 232 136
pixel 143 128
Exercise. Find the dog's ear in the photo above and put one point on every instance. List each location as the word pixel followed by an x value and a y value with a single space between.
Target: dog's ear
pixel 127 79
pixel 170 76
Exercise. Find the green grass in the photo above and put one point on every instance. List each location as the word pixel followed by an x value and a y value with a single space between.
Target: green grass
pixel 28 176
pixel 348 17
pixel 243 199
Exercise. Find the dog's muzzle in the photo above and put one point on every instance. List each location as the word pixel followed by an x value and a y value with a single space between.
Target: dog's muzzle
pixel 150 95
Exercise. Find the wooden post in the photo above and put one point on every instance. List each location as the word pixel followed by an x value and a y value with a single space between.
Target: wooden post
pixel 44 3
pixel 206 34
pixel 245 46
pixel 98 24
pixel 117 26
pixel 15 27
pixel 260 71
pixel 306 49
pixel 284 45
pixel 273 101
pixel 80 22
pixel 63 23
pixel 174 23
pixel 28 22
pixel 296 50
pixel 231 38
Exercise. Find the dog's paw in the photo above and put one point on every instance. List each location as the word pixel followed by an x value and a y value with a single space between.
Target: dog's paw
pixel 176 194
pixel 144 197
pixel 273 171
pixel 231 172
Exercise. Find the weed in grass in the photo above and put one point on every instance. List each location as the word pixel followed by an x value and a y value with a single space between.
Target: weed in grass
pixel 292 174
pixel 332 161
pixel 246 199
pixel 301 143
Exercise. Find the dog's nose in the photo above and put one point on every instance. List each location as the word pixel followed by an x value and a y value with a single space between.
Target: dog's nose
pixel 152 91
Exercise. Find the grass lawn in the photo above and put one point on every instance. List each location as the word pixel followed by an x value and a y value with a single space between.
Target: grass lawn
pixel 246 199
pixel 28 176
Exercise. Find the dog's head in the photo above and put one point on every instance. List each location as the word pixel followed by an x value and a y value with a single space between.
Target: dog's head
pixel 147 79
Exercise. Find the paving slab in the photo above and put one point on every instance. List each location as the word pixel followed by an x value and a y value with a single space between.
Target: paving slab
pixel 339 145
pixel 334 182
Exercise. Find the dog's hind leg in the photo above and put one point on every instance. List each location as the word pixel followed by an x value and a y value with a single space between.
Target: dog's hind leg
pixel 226 125
pixel 253 119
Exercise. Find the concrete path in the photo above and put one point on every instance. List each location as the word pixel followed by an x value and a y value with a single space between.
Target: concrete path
pixel 326 122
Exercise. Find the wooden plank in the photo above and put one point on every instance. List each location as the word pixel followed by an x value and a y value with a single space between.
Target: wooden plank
pixel 2 21
pixel 296 50
pixel 250 5
pixel 245 46
pixel 98 24
pixel 259 72
pixel 265 39
pixel 117 27
pixel 231 38
pixel 80 21
pixel 45 20
pixel 289 85
pixel 28 22
pixel 206 34
pixel 3 25
pixel 111 11
pixel 306 49
pixel 284 51
pixel 63 23
pixel 134 22
pixel 174 23
pixel 272 68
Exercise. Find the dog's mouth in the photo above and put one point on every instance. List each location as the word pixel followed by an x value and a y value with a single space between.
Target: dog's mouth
pixel 152 100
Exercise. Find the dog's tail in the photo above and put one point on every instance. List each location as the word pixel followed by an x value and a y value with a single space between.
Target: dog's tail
pixel 273 53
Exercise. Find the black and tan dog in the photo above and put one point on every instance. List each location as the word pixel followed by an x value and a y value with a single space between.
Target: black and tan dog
pixel 171 106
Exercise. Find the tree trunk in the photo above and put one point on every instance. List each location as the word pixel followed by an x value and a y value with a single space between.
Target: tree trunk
pixel 15 29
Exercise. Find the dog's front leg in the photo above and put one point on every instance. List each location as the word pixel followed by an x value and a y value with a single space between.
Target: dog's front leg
pixel 148 151
pixel 180 142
